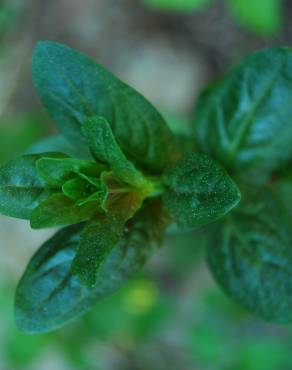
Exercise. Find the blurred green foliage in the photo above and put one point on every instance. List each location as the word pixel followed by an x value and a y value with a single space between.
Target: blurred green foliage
pixel 263 17
pixel 141 319
pixel 178 5
pixel 227 338
pixel 17 133
pixel 9 11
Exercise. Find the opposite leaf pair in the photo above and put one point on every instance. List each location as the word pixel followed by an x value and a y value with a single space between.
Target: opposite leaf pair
pixel 244 121
pixel 129 181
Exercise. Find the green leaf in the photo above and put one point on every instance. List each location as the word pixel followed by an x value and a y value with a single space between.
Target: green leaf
pixel 244 119
pixel 78 188
pixel 284 194
pixel 59 210
pixel 178 5
pixel 56 171
pixel 21 188
pixel 74 88
pixel 101 235
pixel 92 180
pixel 263 17
pixel 86 189
pixel 59 144
pixel 251 256
pixel 99 196
pixel 49 295
pixel 199 191
pixel 105 149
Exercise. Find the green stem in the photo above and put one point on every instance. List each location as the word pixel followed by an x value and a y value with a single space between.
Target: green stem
pixel 157 187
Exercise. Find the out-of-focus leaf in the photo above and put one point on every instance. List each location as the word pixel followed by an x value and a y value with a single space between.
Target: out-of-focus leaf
pixel 178 5
pixel 263 17
pixel 251 256
pixel 244 119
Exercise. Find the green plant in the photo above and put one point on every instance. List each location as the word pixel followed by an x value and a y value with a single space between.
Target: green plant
pixel 111 195
pixel 264 17
pixel 130 178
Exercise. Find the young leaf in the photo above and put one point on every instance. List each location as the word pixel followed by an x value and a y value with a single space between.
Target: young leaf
pixel 56 171
pixel 78 188
pixel 244 119
pixel 101 235
pixel 74 88
pixel 199 191
pixel 49 295
pixel 21 188
pixel 59 210
pixel 99 197
pixel 105 149
pixel 251 257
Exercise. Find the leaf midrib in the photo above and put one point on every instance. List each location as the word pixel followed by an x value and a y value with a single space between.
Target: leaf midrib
pixel 247 122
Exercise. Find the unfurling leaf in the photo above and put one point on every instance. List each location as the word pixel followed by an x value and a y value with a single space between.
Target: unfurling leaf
pixel 199 191
pixel 55 171
pixel 101 235
pixel 78 188
pixel 105 149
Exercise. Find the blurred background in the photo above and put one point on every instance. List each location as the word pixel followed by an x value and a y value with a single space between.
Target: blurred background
pixel 173 316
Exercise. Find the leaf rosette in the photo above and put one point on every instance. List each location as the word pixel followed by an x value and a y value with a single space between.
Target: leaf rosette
pixel 115 185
